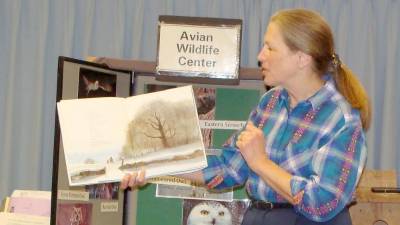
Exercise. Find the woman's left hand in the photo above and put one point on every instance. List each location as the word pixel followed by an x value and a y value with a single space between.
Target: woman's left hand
pixel 133 180
pixel 251 143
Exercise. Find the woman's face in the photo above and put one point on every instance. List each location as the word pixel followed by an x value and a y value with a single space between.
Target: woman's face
pixel 278 62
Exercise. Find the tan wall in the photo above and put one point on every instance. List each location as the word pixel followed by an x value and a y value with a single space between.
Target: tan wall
pixel 376 208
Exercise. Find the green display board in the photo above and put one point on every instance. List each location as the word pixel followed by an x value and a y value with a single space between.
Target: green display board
pixel 232 103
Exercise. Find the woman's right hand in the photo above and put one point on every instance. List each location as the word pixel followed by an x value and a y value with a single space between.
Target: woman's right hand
pixel 133 180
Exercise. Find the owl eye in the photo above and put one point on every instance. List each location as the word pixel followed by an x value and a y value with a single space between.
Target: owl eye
pixel 204 212
pixel 221 213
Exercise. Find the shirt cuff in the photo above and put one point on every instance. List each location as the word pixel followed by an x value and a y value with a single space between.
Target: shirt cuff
pixel 297 184
pixel 212 171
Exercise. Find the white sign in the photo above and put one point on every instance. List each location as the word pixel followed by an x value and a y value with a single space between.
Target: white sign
pixel 109 207
pixel 203 50
pixel 73 195
pixel 222 124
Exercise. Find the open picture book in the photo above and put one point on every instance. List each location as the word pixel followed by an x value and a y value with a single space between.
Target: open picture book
pixel 105 137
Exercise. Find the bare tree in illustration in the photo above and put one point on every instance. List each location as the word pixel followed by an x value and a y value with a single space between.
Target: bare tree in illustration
pixel 163 130
pixel 159 126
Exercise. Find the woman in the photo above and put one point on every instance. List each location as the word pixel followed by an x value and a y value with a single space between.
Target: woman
pixel 303 149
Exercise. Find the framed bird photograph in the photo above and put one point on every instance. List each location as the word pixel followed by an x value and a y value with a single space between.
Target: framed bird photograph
pixel 202 212
pixel 94 83
pixel 82 79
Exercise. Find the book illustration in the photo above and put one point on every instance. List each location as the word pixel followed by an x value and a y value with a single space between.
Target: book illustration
pixel 94 83
pixel 198 212
pixel 104 138
pixel 74 214
pixel 158 127
pixel 205 99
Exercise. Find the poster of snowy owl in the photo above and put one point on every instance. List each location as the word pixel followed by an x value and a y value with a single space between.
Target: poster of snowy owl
pixel 197 212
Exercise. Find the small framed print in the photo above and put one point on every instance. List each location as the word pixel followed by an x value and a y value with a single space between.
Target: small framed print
pixel 74 214
pixel 82 79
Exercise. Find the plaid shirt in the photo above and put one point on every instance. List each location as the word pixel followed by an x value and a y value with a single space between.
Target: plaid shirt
pixel 320 142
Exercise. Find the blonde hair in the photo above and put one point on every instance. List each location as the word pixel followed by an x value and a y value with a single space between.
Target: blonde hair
pixel 307 31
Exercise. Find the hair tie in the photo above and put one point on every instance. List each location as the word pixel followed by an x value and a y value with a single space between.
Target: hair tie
pixel 336 61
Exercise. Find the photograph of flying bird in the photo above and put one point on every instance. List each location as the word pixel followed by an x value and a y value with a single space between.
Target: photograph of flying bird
pixel 95 85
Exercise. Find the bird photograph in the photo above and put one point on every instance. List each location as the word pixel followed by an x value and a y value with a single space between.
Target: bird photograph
pixel 96 84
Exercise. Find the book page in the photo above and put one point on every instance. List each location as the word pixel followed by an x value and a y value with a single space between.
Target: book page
pixel 93 132
pixel 92 123
pixel 164 133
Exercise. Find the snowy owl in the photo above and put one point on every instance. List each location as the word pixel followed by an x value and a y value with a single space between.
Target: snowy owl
pixel 209 213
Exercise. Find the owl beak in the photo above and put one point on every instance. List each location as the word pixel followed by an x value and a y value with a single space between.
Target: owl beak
pixel 213 221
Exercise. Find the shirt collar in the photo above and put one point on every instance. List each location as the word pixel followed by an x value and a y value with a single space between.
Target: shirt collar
pixel 319 97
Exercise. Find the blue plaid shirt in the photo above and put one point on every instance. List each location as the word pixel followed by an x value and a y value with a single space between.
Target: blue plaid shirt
pixel 320 142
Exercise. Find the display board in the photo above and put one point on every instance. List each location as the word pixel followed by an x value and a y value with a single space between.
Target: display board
pixel 98 204
pixel 230 103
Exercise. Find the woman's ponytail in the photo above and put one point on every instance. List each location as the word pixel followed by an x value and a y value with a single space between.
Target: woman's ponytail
pixel 351 88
